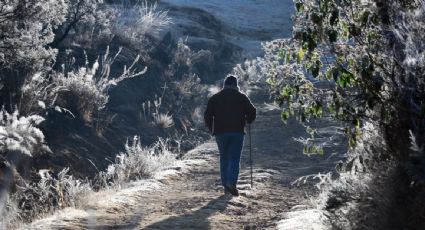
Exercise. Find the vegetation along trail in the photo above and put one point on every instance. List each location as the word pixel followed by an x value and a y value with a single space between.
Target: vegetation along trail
pixel 102 101
pixel 189 195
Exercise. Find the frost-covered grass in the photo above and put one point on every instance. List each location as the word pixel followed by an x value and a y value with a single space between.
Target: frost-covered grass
pixel 136 23
pixel 33 200
pixel 160 119
pixel 57 191
pixel 163 120
pixel 85 90
pixel 81 90
pixel 137 162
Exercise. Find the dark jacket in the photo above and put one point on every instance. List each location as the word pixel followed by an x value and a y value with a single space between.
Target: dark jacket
pixel 228 111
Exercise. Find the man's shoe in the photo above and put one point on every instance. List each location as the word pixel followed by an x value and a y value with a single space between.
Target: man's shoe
pixel 232 189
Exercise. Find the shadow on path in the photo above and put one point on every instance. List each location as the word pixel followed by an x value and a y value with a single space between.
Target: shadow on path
pixel 195 220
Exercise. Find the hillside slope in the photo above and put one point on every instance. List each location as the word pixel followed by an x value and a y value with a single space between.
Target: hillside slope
pixel 189 195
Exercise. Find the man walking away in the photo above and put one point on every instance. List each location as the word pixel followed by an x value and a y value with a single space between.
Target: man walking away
pixel 226 115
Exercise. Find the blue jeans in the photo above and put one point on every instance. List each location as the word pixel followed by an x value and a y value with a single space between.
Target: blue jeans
pixel 230 147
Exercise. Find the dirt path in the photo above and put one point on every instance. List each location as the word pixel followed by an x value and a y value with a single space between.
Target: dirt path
pixel 190 196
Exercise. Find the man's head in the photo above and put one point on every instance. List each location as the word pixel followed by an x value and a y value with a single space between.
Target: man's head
pixel 231 81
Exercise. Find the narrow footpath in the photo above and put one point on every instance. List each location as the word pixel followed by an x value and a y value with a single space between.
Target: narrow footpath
pixel 190 196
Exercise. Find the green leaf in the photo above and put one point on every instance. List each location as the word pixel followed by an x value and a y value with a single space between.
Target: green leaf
pixel 313 149
pixel 284 116
pixel 357 123
pixel 331 108
pixel 300 56
pixel 287 91
pixel 281 54
pixel 351 62
pixel 329 73
pixel 352 142
pixel 271 81
pixel 324 6
pixel 339 167
pixel 299 6
pixel 317 109
pixel 345 30
pixel 344 78
pixel 288 58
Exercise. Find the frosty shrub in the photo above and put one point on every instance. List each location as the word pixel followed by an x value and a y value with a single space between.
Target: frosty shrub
pixel 364 184
pixel 86 21
pixel 27 28
pixel 37 94
pixel 185 56
pixel 163 120
pixel 189 85
pixel 249 71
pixel 191 92
pixel 361 63
pixel 160 119
pixel 152 107
pixel 135 23
pixel 138 162
pixel 50 193
pixel 19 134
pixel 85 90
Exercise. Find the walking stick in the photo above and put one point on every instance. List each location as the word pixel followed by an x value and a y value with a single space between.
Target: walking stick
pixel 250 151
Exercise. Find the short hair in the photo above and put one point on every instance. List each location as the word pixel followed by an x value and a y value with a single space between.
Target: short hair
pixel 231 81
